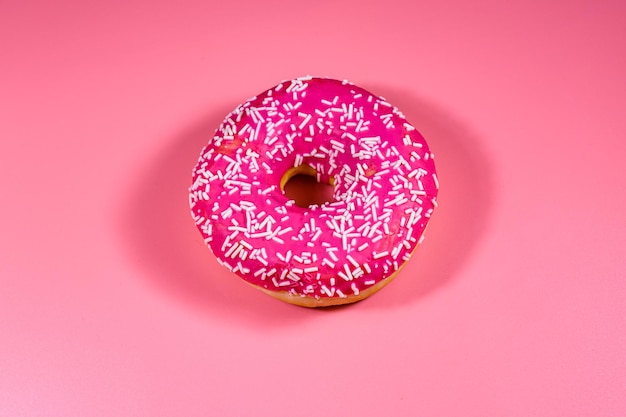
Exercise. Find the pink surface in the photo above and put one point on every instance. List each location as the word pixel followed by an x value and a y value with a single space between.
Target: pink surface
pixel 111 305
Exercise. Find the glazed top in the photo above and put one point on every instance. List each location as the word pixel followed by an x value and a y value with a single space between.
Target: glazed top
pixel 385 189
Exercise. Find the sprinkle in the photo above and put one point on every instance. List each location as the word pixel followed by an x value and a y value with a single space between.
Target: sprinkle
pixel 293 275
pixel 352 260
pixel 328 292
pixel 348 272
pixel 436 180
pixel 283 274
pixel 278 240
pixel 357 273
pixel 285 230
pixel 378 255
pixel 231 250
pixel 354 288
pixel 373 229
pixel 306 120
pixel 327 262
pixel 245 244
pixel 317 234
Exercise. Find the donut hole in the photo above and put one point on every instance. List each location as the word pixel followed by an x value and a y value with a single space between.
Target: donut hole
pixel 300 184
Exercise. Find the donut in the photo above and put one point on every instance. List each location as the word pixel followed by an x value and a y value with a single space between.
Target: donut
pixel 384 190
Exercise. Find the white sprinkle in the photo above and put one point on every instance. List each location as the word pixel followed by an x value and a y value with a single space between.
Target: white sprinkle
pixel 317 234
pixel 327 291
pixel 355 290
pixel 285 230
pixel 236 252
pixel 327 262
pixel 352 260
pixel 373 229
pixel 436 180
pixel 409 233
pixel 231 250
pixel 378 255
pixel 348 272
pixel 283 274
pixel 337 144
pixel 278 240
pixel 305 121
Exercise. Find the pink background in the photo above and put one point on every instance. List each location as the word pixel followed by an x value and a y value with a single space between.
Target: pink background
pixel 111 306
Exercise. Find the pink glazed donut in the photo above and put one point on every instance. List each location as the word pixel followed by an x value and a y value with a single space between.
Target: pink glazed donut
pixel 338 252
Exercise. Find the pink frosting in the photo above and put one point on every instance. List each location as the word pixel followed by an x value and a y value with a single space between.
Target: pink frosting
pixel 385 189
